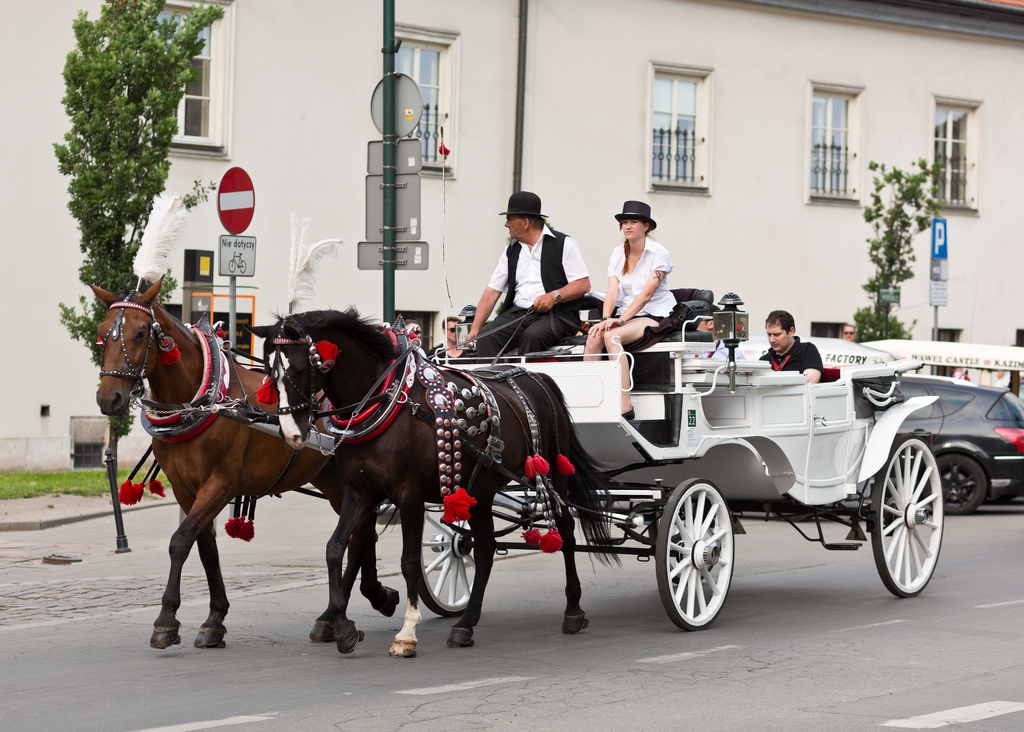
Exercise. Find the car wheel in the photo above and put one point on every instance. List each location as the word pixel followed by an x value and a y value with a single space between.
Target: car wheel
pixel 964 484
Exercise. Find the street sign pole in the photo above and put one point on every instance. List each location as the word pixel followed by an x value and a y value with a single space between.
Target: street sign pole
pixel 232 311
pixel 939 271
pixel 390 144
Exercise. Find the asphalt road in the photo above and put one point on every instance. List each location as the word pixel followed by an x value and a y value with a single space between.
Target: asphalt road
pixel 808 640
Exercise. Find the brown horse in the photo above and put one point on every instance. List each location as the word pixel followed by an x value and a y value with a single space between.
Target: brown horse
pixel 221 459
pixel 401 462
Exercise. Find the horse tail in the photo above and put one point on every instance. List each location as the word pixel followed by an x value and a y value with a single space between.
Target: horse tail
pixel 588 486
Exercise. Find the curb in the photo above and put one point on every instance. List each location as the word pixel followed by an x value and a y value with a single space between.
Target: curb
pixel 39 524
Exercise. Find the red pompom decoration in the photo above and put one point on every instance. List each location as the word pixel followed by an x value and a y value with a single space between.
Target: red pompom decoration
pixel 171 356
pixel 444 151
pixel 130 493
pixel 532 537
pixel 267 393
pixel 541 465
pixel 457 505
pixel 157 488
pixel 99 342
pixel 551 542
pixel 247 530
pixel 564 466
pixel 232 525
pixel 221 334
pixel 328 353
pixel 529 468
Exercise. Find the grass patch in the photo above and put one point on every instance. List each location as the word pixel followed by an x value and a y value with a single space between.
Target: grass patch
pixel 71 482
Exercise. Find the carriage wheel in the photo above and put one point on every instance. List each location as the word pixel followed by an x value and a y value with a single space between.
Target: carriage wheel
pixel 907 500
pixel 447 567
pixel 694 554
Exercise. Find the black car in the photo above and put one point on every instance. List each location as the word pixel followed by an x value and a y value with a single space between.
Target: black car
pixel 978 439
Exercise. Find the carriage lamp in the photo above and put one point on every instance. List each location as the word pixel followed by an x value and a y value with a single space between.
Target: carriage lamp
pixel 465 324
pixel 732 327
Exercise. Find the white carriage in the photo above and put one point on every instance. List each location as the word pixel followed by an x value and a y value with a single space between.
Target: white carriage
pixel 708 447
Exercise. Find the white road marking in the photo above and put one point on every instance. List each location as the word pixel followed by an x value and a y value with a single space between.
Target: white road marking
pixel 999 604
pixel 872 625
pixel 210 724
pixel 684 656
pixel 959 715
pixel 467 685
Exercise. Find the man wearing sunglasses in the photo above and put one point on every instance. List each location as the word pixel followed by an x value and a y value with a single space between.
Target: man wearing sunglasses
pixel 849 332
pixel 446 348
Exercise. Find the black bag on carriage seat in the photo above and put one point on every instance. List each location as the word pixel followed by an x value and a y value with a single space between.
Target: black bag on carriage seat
pixel 876 395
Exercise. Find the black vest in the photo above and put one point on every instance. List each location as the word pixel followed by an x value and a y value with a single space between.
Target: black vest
pixel 552 273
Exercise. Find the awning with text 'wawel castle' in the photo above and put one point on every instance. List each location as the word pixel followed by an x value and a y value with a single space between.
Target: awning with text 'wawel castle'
pixel 964 355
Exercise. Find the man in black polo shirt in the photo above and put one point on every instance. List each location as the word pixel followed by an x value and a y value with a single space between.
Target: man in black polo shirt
pixel 787 353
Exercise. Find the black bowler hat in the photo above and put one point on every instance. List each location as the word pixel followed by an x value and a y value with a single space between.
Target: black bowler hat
pixel 637 210
pixel 523 203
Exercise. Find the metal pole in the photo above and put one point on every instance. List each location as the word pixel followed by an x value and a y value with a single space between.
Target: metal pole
pixel 935 325
pixel 232 315
pixel 122 540
pixel 517 164
pixel 390 150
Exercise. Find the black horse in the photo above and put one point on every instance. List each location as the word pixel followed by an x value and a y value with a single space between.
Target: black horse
pixel 411 452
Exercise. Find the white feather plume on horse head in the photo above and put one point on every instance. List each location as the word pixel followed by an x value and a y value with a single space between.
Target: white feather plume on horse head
pixel 163 232
pixel 304 260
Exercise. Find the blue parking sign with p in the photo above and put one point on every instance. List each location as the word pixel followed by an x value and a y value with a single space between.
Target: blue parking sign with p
pixel 939 239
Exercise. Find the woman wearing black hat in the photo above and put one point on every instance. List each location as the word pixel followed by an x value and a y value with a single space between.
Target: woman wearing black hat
pixel 638 295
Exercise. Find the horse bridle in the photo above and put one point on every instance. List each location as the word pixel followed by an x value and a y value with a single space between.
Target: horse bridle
pixel 116 332
pixel 316 363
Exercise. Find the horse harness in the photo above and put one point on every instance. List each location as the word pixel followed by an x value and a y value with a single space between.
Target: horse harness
pixel 116 332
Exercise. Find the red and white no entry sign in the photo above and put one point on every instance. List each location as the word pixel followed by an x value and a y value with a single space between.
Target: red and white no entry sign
pixel 236 200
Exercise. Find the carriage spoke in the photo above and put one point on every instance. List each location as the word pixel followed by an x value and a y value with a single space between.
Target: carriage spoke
pixel 433 565
pixel 715 537
pixel 706 526
pixel 921 485
pixel 897 474
pixel 688 519
pixel 893 492
pixel 684 534
pixel 901 548
pixel 928 500
pixel 701 600
pixel 924 547
pixel 893 543
pixel 436 524
pixel 454 584
pixel 892 510
pixel 917 557
pixel 711 582
pixel 439 585
pixel 906 557
pixel 891 527
pixel 691 586
pixel 677 595
pixel 674 572
pixel 685 551
pixel 698 518
pixel 912 477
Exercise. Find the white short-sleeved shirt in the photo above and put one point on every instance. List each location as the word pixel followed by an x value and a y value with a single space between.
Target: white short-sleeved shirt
pixel 654 259
pixel 529 285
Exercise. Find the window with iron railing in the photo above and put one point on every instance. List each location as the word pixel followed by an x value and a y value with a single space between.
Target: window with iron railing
pixel 676 140
pixel 951 154
pixel 424 65
pixel 830 145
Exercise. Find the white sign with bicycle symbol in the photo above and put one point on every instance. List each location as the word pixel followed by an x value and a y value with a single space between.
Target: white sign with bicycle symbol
pixel 237 256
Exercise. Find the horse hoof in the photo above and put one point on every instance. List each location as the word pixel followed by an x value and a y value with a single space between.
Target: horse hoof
pixel 210 637
pixel 347 637
pixel 460 638
pixel 164 637
pixel 403 649
pixel 322 632
pixel 572 624
pixel 388 605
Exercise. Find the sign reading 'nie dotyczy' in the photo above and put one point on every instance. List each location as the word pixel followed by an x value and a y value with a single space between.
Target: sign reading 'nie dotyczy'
pixel 237 256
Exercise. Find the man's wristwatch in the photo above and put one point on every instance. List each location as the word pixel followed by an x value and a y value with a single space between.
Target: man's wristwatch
pixel 558 296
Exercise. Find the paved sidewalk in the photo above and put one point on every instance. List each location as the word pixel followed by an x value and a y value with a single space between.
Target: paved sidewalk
pixel 45 512
pixel 287 552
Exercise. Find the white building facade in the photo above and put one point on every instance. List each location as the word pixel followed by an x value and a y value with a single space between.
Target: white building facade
pixel 748 126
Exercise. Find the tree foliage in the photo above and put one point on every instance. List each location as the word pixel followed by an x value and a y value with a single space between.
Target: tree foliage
pixel 902 206
pixel 123 84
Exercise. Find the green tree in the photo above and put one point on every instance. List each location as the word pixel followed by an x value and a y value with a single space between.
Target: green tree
pixel 123 84
pixel 902 206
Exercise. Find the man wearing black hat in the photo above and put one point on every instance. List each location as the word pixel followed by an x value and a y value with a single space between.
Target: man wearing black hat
pixel 544 275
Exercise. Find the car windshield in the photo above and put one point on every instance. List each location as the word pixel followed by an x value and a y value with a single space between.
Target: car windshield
pixel 1007 408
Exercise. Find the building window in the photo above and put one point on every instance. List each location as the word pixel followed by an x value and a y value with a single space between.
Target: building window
pixel 950 335
pixel 428 57
pixel 679 128
pixel 827 330
pixel 951 148
pixel 203 111
pixel 830 145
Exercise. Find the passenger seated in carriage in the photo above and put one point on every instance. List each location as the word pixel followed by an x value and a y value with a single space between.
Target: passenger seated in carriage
pixel 638 296
pixel 787 352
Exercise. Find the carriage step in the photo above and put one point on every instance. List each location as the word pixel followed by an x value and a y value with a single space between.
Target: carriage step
pixel 841 546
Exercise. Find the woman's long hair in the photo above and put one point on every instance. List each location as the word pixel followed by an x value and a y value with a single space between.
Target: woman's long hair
pixel 626 248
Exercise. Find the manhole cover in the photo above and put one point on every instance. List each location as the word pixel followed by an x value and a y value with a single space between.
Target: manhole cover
pixel 60 559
